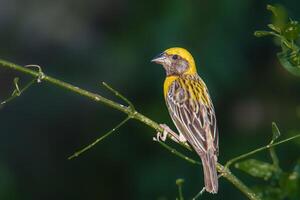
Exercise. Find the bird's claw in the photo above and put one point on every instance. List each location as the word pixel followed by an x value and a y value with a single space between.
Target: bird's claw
pixel 162 136
pixel 167 131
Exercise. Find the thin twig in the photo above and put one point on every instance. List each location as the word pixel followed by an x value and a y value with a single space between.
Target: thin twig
pixel 179 183
pixel 179 154
pixel 76 154
pixel 233 160
pixel 199 194
pixel 274 158
pixel 118 94
pixel 227 174
pixel 17 92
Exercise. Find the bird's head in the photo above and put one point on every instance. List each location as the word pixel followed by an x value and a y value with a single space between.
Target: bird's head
pixel 176 61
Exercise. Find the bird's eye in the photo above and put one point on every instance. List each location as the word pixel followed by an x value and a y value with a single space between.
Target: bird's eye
pixel 174 57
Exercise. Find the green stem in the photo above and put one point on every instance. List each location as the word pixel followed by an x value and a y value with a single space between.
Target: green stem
pixel 227 174
pixel 274 158
pixel 180 193
pixel 127 110
pixel 119 95
pixel 179 154
pixel 199 194
pixel 179 183
pixel 76 154
pixel 233 160
pixel 85 93
pixel 19 91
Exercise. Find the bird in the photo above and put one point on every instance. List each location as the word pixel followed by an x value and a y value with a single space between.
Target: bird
pixel 191 109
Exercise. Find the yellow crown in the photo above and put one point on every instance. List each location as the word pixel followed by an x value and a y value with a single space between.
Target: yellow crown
pixel 185 55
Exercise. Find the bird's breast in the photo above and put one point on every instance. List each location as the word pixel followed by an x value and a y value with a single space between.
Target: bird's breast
pixel 168 81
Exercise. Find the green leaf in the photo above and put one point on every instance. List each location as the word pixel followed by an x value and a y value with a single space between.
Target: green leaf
pixel 274 28
pixel 268 192
pixel 297 168
pixel 262 33
pixel 289 183
pixel 273 9
pixel 275 131
pixel 256 168
pixel 280 17
pixel 292 30
pixel 290 61
pixel 293 183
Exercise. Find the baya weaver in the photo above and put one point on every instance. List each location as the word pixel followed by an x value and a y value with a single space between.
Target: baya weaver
pixel 191 110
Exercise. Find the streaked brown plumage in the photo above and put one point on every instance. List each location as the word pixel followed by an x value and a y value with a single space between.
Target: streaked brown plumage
pixel 191 109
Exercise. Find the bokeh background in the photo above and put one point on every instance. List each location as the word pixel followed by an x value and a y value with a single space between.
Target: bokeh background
pixel 87 42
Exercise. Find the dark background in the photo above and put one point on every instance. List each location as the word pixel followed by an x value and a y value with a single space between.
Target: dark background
pixel 87 42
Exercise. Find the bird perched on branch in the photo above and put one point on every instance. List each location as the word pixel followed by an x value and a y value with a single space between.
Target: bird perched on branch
pixel 191 110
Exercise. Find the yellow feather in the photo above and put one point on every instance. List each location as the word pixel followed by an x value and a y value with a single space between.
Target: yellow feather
pixel 168 81
pixel 203 96
pixel 185 55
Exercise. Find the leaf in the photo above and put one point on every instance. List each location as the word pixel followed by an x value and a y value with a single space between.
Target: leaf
pixel 297 168
pixel 274 28
pixel 256 168
pixel 291 184
pixel 275 131
pixel 290 61
pixel 287 32
pixel 292 30
pixel 268 192
pixel 273 9
pixel 262 33
pixel 279 18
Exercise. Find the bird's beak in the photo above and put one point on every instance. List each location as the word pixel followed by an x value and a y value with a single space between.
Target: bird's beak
pixel 159 59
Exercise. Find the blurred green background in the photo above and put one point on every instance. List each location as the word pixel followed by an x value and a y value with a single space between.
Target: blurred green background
pixel 87 42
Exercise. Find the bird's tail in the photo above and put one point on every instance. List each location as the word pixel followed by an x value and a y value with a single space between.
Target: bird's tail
pixel 210 172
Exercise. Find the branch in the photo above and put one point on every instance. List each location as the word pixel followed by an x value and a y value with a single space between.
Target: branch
pixel 226 173
pixel 76 154
pixel 119 95
pixel 17 91
pixel 179 183
pixel 235 159
pixel 132 113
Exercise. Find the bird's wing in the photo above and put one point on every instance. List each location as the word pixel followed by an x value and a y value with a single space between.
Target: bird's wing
pixel 193 113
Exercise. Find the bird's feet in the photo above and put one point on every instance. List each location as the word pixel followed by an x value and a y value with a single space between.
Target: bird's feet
pixel 162 136
pixel 174 136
